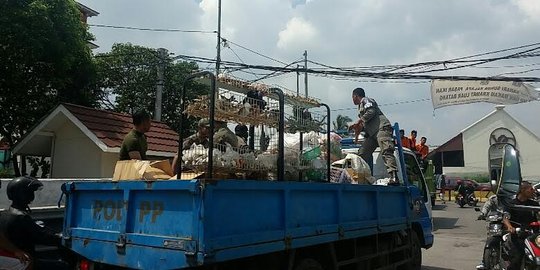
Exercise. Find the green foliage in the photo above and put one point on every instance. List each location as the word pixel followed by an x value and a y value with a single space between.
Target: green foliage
pixel 6 173
pixel 45 60
pixel 39 162
pixel 129 74
pixel 341 122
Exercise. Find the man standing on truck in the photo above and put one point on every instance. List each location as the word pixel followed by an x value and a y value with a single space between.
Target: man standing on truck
pixel 378 132
pixel 405 142
pixel 414 133
pixel 134 145
pixel 422 148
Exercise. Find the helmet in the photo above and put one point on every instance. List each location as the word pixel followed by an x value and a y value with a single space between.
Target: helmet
pixel 240 129
pixel 458 182
pixel 20 190
pixel 204 122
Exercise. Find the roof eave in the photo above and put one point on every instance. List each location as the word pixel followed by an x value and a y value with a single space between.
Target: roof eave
pixel 116 150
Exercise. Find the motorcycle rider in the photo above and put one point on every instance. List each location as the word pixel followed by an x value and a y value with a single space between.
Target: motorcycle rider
pixel 490 205
pixel 519 218
pixel 10 256
pixel 461 189
pixel 19 227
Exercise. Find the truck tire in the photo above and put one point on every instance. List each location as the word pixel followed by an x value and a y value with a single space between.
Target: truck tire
pixel 416 253
pixel 308 264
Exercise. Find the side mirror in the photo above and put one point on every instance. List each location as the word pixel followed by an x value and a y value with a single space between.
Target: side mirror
pixel 504 166
pixel 495 155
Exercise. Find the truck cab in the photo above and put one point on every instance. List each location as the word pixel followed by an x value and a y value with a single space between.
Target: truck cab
pixel 413 170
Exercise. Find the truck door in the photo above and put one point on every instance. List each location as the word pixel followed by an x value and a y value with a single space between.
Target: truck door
pixel 420 193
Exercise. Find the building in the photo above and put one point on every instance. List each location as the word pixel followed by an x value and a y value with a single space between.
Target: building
pixel 84 143
pixel 467 152
pixel 87 12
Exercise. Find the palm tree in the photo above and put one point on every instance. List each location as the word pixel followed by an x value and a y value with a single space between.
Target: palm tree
pixel 341 122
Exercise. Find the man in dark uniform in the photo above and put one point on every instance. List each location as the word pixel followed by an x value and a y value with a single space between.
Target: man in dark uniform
pixel 134 145
pixel 521 219
pixel 19 228
pixel 378 132
pixel 11 256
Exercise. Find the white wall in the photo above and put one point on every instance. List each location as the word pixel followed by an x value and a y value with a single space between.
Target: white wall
pixel 476 144
pixel 75 155
pixel 108 161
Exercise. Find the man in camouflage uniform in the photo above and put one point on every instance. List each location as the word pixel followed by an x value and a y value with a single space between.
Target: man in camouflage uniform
pixel 201 137
pixel 378 131
pixel 224 135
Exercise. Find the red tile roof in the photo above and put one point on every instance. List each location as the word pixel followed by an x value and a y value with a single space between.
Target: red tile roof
pixel 111 127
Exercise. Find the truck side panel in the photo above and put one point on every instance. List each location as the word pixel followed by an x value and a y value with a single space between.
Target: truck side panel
pixel 110 221
pixel 177 224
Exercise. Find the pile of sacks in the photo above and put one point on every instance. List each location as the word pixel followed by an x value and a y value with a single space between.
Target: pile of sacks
pixel 351 170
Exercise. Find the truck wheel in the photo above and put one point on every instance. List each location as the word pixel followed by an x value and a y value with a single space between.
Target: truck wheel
pixel 308 264
pixel 416 253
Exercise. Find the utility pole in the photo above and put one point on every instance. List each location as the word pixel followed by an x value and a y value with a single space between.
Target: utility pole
pixel 297 81
pixel 218 56
pixel 162 54
pixel 305 74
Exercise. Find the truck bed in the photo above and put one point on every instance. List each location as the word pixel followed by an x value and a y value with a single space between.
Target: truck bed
pixel 184 223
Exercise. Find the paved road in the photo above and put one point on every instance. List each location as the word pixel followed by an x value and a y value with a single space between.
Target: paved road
pixel 459 239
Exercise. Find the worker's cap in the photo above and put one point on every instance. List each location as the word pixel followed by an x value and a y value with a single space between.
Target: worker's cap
pixel 204 122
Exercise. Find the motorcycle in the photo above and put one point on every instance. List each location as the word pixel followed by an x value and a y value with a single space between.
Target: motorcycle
pixel 531 238
pixel 471 199
pixel 495 232
pixel 466 199
pixel 531 260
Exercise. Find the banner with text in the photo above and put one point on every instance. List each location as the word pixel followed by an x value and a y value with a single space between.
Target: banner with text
pixel 447 92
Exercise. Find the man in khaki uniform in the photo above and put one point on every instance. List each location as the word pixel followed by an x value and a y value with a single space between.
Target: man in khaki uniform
pixel 201 137
pixel 378 131
pixel 225 135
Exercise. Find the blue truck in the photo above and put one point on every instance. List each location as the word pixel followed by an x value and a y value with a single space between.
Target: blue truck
pixel 219 224
pixel 244 224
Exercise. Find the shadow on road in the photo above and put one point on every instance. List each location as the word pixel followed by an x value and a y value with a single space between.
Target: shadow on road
pixel 439 207
pixel 444 223
pixel 435 268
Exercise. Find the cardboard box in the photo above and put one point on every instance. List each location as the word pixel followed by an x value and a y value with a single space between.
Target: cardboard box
pixel 142 170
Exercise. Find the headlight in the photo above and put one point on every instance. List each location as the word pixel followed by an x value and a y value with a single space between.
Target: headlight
pixel 492 218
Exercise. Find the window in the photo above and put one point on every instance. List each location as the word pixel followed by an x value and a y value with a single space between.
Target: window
pixel 414 174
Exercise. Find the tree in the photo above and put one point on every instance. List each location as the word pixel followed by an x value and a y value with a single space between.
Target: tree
pixel 45 60
pixel 128 73
pixel 341 122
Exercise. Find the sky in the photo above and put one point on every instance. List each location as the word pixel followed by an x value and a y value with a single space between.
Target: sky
pixel 346 33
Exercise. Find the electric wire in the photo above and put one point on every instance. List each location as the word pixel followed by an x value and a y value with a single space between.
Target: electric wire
pixel 152 29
